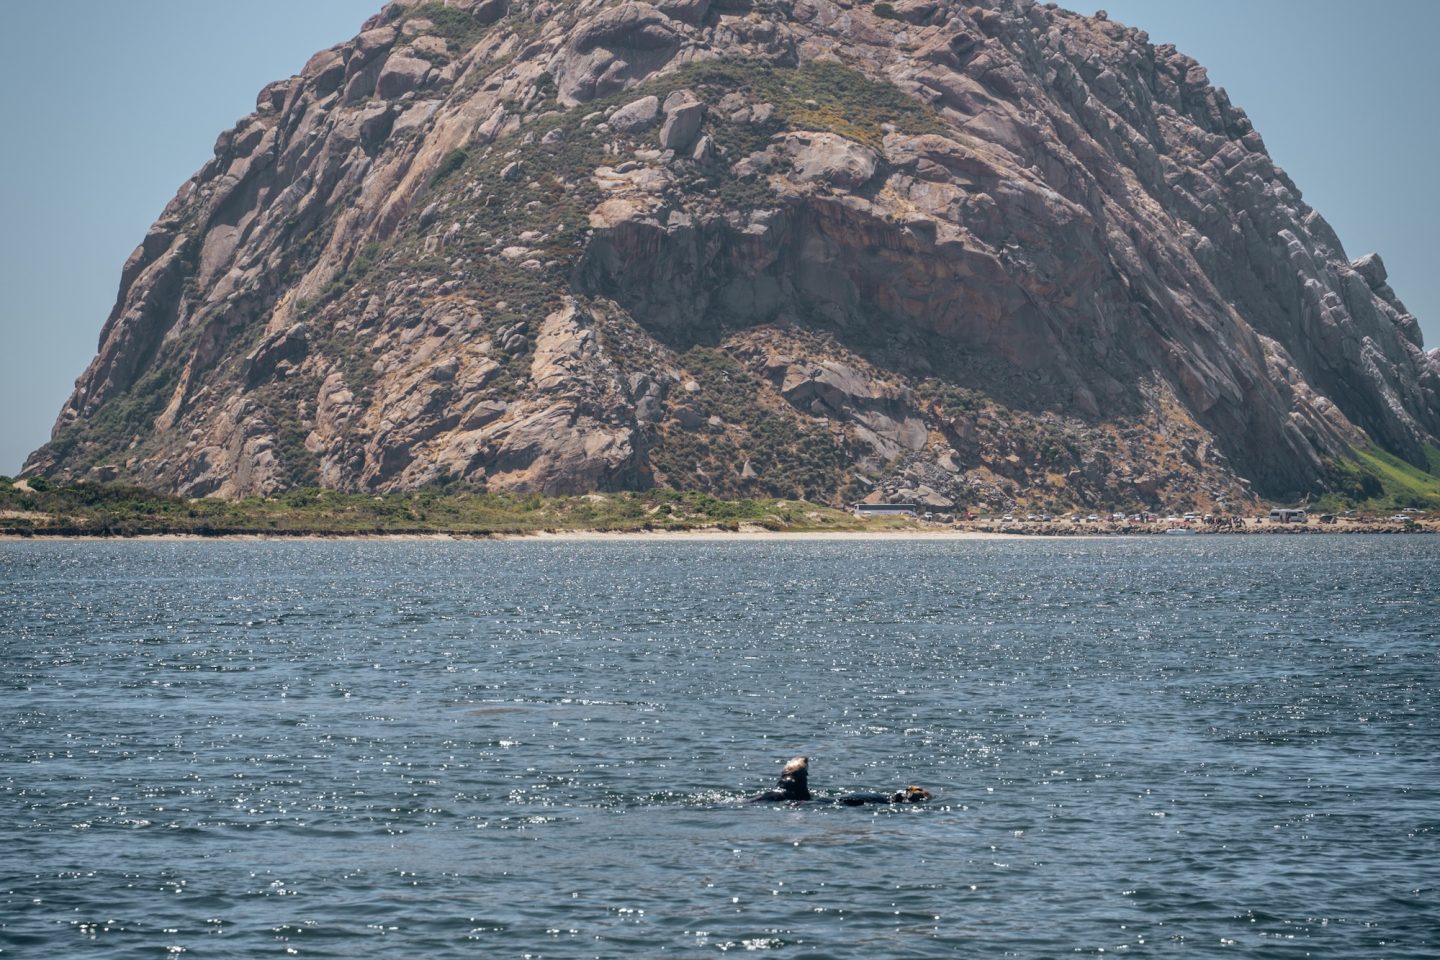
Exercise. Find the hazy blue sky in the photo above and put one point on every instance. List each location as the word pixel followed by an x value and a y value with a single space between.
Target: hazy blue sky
pixel 111 106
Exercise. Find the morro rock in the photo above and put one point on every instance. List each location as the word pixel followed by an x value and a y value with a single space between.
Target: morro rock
pixel 992 251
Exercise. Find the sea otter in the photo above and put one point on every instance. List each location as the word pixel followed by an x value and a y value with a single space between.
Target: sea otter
pixel 911 794
pixel 794 786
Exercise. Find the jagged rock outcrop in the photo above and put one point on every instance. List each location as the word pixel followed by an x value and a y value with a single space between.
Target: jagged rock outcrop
pixel 955 251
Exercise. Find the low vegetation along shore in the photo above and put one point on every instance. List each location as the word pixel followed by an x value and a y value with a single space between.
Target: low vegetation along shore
pixel 37 509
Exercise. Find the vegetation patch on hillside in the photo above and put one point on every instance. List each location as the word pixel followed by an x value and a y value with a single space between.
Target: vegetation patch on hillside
pixel 93 509
pixel 788 455
pixel 123 420
pixel 455 24
pixel 824 96
pixel 1376 480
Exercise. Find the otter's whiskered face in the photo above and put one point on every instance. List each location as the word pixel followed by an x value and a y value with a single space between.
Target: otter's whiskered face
pixel 912 794
pixel 795 778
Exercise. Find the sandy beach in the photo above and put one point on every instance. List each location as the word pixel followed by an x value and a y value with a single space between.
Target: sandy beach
pixel 755 532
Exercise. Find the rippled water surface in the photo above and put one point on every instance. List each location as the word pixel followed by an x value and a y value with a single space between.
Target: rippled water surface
pixel 537 749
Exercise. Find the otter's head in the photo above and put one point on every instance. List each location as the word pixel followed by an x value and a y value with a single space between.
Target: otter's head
pixel 911 794
pixel 795 779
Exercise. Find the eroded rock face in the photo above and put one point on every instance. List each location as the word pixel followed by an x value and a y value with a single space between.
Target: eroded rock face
pixel 637 115
pixel 829 159
pixel 989 252
pixel 613 47
pixel 576 432
pixel 684 112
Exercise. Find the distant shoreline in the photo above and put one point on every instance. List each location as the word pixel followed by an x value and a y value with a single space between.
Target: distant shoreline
pixel 87 511
pixel 746 532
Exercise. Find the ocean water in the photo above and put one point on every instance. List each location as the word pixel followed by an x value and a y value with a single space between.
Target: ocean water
pixel 1154 747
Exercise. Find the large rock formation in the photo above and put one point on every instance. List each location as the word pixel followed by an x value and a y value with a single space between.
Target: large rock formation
pixel 959 251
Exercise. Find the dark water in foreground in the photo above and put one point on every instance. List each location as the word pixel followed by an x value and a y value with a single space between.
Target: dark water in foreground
pixel 1151 747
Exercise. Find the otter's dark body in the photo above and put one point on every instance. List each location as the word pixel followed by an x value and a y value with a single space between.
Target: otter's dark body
pixel 908 795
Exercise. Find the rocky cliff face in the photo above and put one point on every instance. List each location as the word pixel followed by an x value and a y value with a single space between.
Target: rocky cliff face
pixel 956 251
